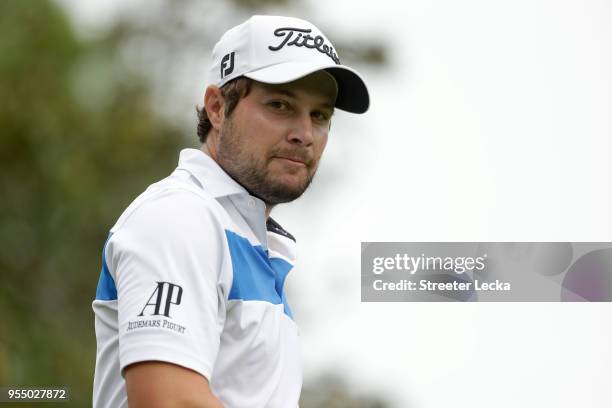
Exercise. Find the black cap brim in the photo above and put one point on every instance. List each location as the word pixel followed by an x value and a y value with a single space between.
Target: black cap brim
pixel 353 95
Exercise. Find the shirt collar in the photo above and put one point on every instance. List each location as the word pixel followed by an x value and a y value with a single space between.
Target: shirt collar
pixel 219 184
pixel 210 175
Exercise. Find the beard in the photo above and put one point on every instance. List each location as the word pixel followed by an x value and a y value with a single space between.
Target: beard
pixel 253 172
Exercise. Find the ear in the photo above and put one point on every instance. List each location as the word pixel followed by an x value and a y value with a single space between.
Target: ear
pixel 214 103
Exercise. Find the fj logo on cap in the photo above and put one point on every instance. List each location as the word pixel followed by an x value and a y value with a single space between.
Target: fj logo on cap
pixel 227 64
pixel 303 39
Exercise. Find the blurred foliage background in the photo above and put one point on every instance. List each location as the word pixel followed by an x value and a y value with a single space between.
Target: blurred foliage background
pixel 84 131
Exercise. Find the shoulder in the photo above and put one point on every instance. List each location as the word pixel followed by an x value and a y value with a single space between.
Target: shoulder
pixel 169 232
pixel 171 205
pixel 171 218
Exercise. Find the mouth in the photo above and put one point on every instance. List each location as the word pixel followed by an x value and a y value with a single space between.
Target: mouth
pixel 292 160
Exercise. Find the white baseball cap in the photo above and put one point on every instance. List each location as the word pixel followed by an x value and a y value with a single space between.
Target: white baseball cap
pixel 276 50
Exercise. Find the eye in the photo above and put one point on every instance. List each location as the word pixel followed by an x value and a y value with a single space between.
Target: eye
pixel 279 105
pixel 320 116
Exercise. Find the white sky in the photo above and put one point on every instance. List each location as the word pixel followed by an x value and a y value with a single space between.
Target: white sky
pixel 493 124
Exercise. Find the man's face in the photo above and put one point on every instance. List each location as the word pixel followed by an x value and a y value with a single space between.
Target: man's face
pixel 273 140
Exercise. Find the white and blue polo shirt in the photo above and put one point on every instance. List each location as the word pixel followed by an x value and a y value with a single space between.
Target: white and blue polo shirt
pixel 193 274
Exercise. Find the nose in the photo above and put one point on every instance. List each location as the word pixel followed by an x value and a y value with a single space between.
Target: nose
pixel 302 131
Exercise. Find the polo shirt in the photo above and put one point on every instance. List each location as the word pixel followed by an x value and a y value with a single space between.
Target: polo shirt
pixel 193 274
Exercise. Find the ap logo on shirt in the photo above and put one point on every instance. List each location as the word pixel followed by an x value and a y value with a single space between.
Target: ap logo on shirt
pixel 160 301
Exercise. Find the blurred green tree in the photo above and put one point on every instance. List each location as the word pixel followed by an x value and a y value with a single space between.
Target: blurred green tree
pixel 73 121
pixel 330 391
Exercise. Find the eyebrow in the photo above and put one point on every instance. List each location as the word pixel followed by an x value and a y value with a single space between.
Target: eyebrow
pixel 287 92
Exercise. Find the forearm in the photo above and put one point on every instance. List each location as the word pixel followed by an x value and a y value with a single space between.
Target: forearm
pixel 157 384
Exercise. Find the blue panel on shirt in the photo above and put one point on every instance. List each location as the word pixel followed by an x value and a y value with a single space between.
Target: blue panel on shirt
pixel 106 285
pixel 256 276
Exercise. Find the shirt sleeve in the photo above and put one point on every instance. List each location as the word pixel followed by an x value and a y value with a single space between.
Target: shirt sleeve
pixel 169 263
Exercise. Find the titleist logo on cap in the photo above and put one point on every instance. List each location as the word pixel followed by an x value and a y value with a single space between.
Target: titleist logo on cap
pixel 281 50
pixel 303 39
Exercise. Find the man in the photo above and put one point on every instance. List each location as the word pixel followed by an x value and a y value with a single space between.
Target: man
pixel 190 309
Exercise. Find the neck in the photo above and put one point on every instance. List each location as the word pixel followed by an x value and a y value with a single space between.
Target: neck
pixel 208 151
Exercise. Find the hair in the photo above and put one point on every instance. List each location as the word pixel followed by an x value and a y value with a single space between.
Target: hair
pixel 232 92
